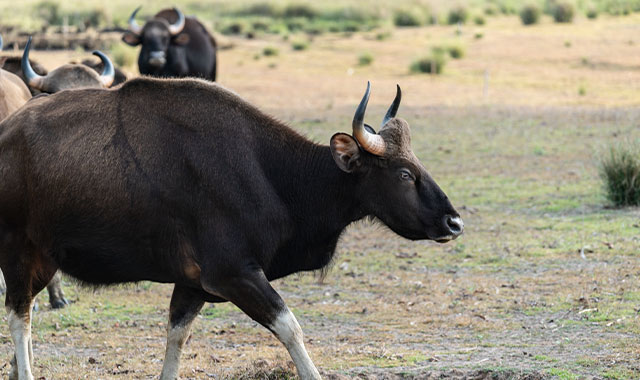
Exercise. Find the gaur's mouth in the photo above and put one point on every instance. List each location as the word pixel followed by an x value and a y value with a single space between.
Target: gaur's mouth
pixel 445 239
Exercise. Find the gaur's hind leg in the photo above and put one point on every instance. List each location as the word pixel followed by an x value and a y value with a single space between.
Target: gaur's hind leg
pixel 27 272
pixel 253 294
pixel 3 286
pixel 56 296
pixel 185 306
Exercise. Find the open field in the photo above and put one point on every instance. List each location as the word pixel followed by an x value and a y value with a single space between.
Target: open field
pixel 545 283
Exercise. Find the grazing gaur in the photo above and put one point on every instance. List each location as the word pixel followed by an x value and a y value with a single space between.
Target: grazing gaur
pixel 173 46
pixel 13 64
pixel 68 76
pixel 98 66
pixel 181 181
pixel 13 94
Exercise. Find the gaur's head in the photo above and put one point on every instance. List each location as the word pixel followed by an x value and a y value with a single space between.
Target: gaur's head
pixel 69 76
pixel 155 37
pixel 395 186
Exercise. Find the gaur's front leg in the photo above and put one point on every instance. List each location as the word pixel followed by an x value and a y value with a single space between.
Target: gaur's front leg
pixel 185 306
pixel 253 294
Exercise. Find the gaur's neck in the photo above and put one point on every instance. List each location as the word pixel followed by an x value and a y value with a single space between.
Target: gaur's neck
pixel 321 200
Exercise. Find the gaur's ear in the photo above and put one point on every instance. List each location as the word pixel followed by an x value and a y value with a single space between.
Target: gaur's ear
pixel 345 152
pixel 181 39
pixel 131 39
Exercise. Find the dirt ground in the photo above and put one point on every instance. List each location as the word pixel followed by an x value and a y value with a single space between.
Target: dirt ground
pixel 544 283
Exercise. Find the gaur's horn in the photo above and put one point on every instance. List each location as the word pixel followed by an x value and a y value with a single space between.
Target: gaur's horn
pixel 133 25
pixel 176 28
pixel 370 142
pixel 108 73
pixel 391 113
pixel 33 80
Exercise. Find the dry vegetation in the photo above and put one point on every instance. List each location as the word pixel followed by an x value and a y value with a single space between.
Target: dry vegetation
pixel 545 281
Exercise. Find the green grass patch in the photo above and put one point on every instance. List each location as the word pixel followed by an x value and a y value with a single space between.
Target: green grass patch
pixel 620 172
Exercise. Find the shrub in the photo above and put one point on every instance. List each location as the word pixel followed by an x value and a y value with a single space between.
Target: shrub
pixel 620 171
pixel 478 36
pixel 457 15
pixel 300 45
pixel 479 20
pixel 592 13
pixel 408 17
pixel 270 51
pixel 49 12
pixel 300 10
pixel 456 51
pixel 383 35
pixel 433 63
pixel 365 59
pixel 233 28
pixel 563 12
pixel 530 14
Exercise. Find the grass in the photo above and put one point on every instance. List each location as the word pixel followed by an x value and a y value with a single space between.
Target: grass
pixel 620 172
pixel 270 51
pixel 365 59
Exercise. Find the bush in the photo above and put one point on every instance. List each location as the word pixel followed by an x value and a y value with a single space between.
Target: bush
pixel 233 28
pixel 270 51
pixel 408 17
pixel 592 13
pixel 457 15
pixel 432 63
pixel 479 20
pixel 49 12
pixel 563 12
pixel 365 59
pixel 300 45
pixel 383 35
pixel 478 36
pixel 530 14
pixel 300 10
pixel 456 51
pixel 620 171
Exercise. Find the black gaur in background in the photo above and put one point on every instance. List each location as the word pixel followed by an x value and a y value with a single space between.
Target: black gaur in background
pixel 181 181
pixel 173 45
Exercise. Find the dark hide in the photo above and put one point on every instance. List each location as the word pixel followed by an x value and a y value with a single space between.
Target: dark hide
pixel 98 67
pixel 12 64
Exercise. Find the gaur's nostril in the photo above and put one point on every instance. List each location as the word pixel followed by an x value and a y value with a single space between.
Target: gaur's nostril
pixel 455 224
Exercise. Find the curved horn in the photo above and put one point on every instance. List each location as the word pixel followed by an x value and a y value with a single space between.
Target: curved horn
pixel 370 142
pixel 391 113
pixel 176 28
pixel 108 73
pixel 133 25
pixel 34 80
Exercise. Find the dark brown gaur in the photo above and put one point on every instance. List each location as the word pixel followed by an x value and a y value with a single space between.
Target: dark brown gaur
pixel 13 94
pixel 182 181
pixel 68 76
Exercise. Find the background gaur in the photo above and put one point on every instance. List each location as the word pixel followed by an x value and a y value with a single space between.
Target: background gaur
pixel 173 45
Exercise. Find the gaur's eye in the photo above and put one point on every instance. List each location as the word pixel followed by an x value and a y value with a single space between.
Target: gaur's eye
pixel 406 175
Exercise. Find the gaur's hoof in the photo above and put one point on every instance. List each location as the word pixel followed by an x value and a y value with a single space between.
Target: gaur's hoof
pixel 59 303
